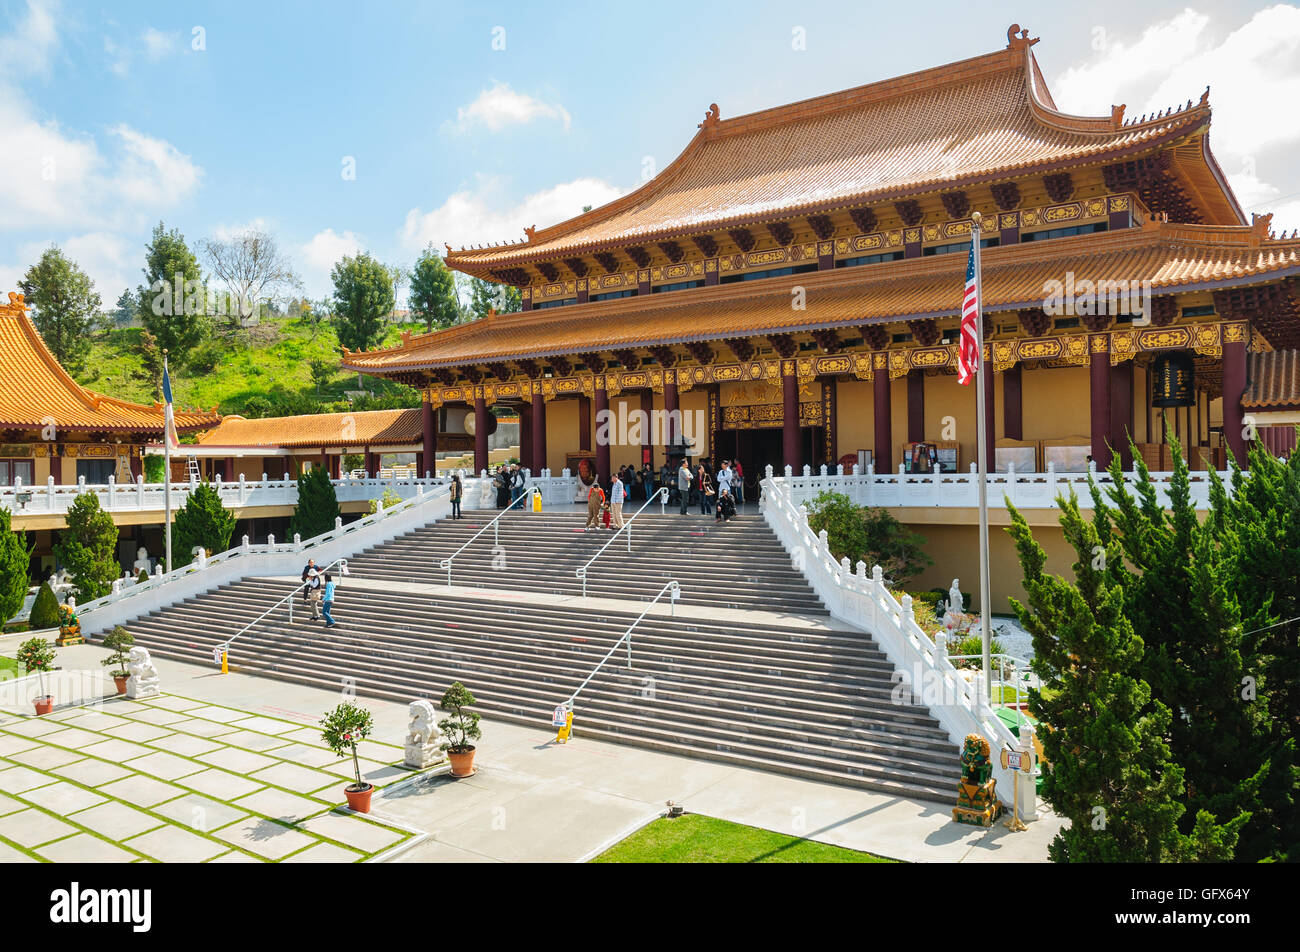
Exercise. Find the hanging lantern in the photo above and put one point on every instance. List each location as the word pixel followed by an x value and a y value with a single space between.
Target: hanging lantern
pixel 1173 380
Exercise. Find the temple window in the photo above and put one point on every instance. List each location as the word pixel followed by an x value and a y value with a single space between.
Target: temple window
pixel 959 246
pixel 868 259
pixel 11 469
pixel 610 295
pixel 679 286
pixel 1062 232
pixel 769 273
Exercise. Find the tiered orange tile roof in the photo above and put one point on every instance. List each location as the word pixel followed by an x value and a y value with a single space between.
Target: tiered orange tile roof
pixel 1173 257
pixel 981 120
pixel 378 427
pixel 35 391
pixel 1274 380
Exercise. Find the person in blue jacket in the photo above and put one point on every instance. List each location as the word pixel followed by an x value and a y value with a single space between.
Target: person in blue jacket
pixel 329 601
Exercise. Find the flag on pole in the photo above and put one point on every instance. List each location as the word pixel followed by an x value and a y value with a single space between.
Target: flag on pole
pixel 169 419
pixel 968 351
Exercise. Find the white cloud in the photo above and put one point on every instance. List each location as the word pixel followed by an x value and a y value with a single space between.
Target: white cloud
pixel 320 254
pixel 153 172
pixel 157 44
pixel 30 47
pixel 1254 77
pixel 501 106
pixel 485 214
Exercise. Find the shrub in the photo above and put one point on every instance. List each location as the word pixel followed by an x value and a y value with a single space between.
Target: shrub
pixel 88 548
pixel 345 727
pixel 143 576
pixel 203 522
pixel 462 726
pixel 974 645
pixel 45 610
pixel 387 501
pixel 119 642
pixel 15 557
pixel 868 535
pixel 154 469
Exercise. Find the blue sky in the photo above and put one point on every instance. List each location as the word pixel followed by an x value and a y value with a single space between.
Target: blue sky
pixel 214 117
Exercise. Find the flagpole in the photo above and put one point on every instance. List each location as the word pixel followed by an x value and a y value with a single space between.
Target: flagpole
pixel 981 452
pixel 167 479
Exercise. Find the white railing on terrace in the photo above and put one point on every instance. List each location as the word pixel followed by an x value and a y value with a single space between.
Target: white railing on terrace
pixel 581 571
pixel 130 599
pixel 954 490
pixel 961 707
pixel 148 497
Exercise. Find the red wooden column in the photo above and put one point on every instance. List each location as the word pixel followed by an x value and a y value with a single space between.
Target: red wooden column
pixel 1234 386
pixel 882 454
pixel 673 430
pixel 1099 396
pixel 990 421
pixel 602 416
pixel 790 419
pixel 916 406
pixel 1013 426
pixel 584 424
pixel 647 434
pixel 526 437
pixel 429 455
pixel 539 430
pixel 230 475
pixel 480 432
pixel 1121 413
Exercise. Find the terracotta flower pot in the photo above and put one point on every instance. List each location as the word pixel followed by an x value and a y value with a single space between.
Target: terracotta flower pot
pixel 121 683
pixel 359 800
pixel 462 762
pixel 44 704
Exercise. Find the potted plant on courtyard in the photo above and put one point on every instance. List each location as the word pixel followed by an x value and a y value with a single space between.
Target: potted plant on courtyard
pixel 459 729
pixel 342 729
pixel 119 642
pixel 37 654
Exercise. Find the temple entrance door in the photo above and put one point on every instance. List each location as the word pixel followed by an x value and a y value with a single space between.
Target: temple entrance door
pixel 812 441
pixel 756 449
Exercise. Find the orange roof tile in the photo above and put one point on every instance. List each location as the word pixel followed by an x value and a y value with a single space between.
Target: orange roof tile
pixel 36 391
pixel 1172 257
pixel 1274 380
pixel 319 429
pixel 984 119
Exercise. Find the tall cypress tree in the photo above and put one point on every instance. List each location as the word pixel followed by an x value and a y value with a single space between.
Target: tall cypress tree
pixel 87 548
pixel 15 560
pixel 202 522
pixel 318 504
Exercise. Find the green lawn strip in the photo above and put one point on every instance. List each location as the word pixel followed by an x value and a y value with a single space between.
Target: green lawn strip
pixel 9 668
pixel 693 838
pixel 204 765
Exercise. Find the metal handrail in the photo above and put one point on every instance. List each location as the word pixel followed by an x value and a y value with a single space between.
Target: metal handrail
pixel 672 586
pixel 496 534
pixel 581 571
pixel 225 645
pixel 1001 662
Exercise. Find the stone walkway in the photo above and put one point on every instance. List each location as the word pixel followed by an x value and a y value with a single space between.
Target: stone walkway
pixel 179 779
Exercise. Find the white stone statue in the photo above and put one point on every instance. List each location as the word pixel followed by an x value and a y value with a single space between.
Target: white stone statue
pixel 142 680
pixel 142 562
pixel 487 498
pixel 423 737
pixel 953 615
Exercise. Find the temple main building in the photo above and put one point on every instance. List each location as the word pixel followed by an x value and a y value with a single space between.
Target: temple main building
pixel 794 278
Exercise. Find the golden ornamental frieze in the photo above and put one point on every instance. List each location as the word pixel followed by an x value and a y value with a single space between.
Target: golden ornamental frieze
pixel 897 364
pixel 911 235
pixel 1041 348
pixel 833 366
pixel 1075 350
pixel 1099 343
pixel 894 238
pixel 1004 355
pixel 1096 207
pixel 1234 332
pixel 1166 338
pixel 1067 212
pixel 862 367
pixel 636 380
pixel 657 381
pixel 1119 203
pixel 924 358
pixel 1207 340
pixel 729 373
pixel 1009 220
pixel 930 233
pixel 1123 346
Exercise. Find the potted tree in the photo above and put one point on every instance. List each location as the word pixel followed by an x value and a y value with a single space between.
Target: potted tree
pixel 119 642
pixel 459 729
pixel 37 654
pixel 342 729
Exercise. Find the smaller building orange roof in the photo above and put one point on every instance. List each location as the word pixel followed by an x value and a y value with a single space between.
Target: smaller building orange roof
pixel 36 392
pixel 359 429
pixel 1274 380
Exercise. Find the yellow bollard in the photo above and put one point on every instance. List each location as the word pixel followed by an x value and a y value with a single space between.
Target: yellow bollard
pixel 566 729
pixel 537 502
pixel 224 668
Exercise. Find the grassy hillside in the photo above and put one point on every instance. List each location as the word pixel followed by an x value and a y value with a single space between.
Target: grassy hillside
pixel 271 361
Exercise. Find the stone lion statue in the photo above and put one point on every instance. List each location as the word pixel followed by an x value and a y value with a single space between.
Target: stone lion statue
pixel 142 680
pixel 976 767
pixel 423 729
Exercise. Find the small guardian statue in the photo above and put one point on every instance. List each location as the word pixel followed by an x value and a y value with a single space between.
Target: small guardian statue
pixel 422 737
pixel 142 676
pixel 977 801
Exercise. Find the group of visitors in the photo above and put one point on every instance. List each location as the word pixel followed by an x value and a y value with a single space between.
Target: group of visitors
pixel 318 592
pixel 510 483
pixel 716 493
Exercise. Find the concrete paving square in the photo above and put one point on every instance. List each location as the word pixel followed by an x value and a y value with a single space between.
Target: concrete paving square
pixel 97 721
pixel 266 725
pixel 62 797
pixel 324 853
pixel 240 761
pixel 308 756
pixel 171 844
pixel 199 813
pixel 251 740
pixel 72 737
pixel 164 765
pixel 160 717
pixel 115 820
pixel 13 743
pixel 91 772
pixel 138 732
pixel 234 856
pixel 36 726
pixel 20 779
pixel 32 827
pixel 120 704
pixel 173 703
pixel 141 790
pixel 84 848
pixel 353 831
pixel 371 770
pixel 305 735
pixel 114 750
pixel 280 805
pixel 222 715
pixel 221 784
pixel 10 805
pixel 264 837
pixel 186 744
pixel 46 758
pixel 301 779
pixel 9 854
pixel 204 728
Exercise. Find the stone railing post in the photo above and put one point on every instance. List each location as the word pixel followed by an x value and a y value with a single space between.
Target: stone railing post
pixel 270 542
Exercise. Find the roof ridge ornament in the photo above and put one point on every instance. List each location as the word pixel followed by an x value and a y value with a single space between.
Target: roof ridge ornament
pixel 711 117
pixel 529 230
pixel 1117 115
pixel 1262 225
pixel 1018 39
pixel 1205 97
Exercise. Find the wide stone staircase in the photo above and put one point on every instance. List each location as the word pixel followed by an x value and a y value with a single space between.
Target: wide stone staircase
pixel 739 564
pixel 795 696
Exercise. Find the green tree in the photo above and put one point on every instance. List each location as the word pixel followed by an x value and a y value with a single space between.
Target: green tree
pixel 64 303
pixel 15 559
pixel 363 298
pixel 203 522
pixel 318 504
pixel 432 297
pixel 485 296
pixel 124 311
pixel 1112 772
pixel 321 372
pixel 87 548
pixel 45 609
pixel 868 535
pixel 173 301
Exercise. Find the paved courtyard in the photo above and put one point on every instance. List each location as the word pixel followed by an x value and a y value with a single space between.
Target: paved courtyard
pixel 176 779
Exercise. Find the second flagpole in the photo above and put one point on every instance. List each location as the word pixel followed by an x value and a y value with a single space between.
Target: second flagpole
pixel 981 456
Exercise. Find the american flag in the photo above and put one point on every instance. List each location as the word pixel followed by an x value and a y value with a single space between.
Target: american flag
pixel 968 351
